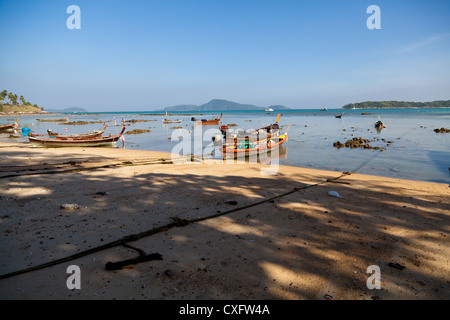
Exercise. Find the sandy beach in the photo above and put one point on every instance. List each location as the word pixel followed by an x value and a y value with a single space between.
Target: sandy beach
pixel 270 237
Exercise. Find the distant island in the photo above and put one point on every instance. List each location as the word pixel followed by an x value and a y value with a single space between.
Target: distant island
pixel 221 105
pixel 397 104
pixel 69 110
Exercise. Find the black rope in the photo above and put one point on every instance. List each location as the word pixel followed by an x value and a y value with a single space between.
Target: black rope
pixel 176 223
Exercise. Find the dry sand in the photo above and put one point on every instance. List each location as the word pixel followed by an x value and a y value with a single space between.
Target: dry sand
pixel 303 245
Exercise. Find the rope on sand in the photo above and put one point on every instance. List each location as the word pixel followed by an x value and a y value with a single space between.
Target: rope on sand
pixel 110 165
pixel 176 223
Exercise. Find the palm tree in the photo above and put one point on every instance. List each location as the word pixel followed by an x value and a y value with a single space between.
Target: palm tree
pixel 11 97
pixel 3 96
pixel 15 100
pixel 22 100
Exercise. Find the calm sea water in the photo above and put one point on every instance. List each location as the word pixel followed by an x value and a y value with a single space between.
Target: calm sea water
pixel 416 151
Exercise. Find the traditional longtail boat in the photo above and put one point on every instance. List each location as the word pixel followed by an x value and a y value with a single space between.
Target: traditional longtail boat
pixel 339 115
pixel 166 121
pixel 9 128
pixel 207 122
pixel 249 147
pixel 53 120
pixel 53 142
pixel 264 139
pixel 88 135
pixel 379 124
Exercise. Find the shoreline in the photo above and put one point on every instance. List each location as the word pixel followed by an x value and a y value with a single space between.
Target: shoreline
pixel 19 114
pixel 280 236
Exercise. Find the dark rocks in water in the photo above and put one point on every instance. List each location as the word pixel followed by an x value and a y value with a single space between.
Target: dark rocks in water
pixel 356 143
pixel 137 131
pixel 442 130
pixel 80 122
pixel 134 120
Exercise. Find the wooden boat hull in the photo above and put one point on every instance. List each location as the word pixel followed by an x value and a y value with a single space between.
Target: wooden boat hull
pixel 52 142
pixel 79 136
pixel 56 143
pixel 171 121
pixel 270 145
pixel 208 122
pixel 9 128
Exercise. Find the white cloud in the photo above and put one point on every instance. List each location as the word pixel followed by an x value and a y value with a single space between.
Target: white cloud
pixel 420 44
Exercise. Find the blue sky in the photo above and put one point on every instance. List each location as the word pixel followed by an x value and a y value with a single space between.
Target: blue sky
pixel 146 55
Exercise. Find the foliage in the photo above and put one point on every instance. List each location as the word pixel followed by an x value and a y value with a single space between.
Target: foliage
pixel 13 100
pixel 397 104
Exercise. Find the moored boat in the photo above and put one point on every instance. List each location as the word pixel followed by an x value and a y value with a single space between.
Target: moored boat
pixel 250 147
pixel 379 124
pixel 88 135
pixel 207 122
pixel 53 142
pixel 167 121
pixel 264 139
pixel 10 127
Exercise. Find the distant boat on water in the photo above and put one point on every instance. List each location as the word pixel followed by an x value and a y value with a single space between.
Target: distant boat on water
pixel 206 121
pixel 167 120
pixel 269 110
pixel 379 124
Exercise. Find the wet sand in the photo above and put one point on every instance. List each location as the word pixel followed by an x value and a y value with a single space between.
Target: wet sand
pixel 274 237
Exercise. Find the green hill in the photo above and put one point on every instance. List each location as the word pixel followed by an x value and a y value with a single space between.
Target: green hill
pixel 220 105
pixel 14 109
pixel 397 104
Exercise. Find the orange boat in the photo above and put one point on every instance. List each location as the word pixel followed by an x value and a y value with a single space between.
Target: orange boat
pixel 248 147
pixel 207 122
pixel 251 144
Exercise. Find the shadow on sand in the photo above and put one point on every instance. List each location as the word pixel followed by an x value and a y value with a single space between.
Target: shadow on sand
pixel 304 245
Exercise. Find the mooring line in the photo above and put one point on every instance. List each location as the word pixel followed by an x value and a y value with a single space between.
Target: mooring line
pixel 176 223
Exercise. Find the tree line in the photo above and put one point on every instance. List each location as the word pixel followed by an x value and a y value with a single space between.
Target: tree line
pixel 13 100
pixel 397 104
